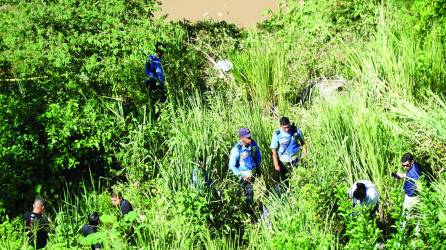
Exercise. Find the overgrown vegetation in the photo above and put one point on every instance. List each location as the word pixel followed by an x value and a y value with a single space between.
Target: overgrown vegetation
pixel 76 118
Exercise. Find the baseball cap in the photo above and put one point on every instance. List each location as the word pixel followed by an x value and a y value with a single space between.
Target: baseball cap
pixel 244 132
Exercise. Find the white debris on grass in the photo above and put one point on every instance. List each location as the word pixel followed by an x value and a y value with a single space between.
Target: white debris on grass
pixel 224 65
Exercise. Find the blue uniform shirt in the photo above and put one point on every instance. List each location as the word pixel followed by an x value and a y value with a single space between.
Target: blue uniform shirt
pixel 244 158
pixel 409 183
pixel 154 69
pixel 287 144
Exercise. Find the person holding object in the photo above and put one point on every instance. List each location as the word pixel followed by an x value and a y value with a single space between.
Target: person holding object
pixel 410 177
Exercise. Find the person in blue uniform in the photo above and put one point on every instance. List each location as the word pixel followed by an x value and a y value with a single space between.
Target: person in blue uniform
pixel 244 162
pixel 287 146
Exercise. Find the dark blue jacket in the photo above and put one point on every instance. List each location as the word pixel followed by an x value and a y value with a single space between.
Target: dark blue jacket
pixel 125 207
pixel 412 175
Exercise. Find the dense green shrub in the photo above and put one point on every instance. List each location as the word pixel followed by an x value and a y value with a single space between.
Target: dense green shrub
pixel 75 109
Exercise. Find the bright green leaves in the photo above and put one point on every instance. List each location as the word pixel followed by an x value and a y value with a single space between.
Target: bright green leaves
pixel 94 238
pixel 74 132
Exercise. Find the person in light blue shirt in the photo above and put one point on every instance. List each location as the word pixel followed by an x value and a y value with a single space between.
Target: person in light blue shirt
pixel 154 68
pixel 244 161
pixel 287 143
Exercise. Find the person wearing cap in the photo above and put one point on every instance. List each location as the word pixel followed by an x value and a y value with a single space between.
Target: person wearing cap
pixel 286 144
pixel 364 193
pixel 245 160
pixel 154 68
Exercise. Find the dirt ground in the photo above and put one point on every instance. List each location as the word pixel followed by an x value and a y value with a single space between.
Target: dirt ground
pixel 244 13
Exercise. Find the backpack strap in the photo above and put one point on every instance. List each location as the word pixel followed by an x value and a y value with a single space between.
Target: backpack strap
pixel 296 134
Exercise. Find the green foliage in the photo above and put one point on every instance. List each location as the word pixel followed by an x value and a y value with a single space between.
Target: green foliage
pixel 361 229
pixel 71 74
pixel 430 18
pixel 75 106
pixel 11 233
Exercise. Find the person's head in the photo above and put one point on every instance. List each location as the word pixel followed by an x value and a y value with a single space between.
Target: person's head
pixel 116 198
pixel 285 124
pixel 159 48
pixel 407 161
pixel 93 219
pixel 360 192
pixel 245 136
pixel 39 205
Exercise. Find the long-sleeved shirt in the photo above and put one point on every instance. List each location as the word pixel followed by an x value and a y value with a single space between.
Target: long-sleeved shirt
pixel 244 158
pixel 372 195
pixel 412 175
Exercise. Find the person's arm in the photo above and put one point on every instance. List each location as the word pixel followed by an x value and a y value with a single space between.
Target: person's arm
pixel 276 160
pixel 233 158
pixel 258 161
pixel 274 146
pixel 27 219
pixel 301 139
pixel 258 157
pixel 160 72
pixel 401 175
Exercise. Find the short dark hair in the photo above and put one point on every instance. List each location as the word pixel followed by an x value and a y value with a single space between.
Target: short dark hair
pixel 93 219
pixel 407 157
pixel 360 192
pixel 40 200
pixel 284 121
pixel 114 195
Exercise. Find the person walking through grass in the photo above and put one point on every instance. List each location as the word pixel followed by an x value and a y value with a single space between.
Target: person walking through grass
pixel 287 146
pixel 244 162
pixel 410 177
pixel 37 225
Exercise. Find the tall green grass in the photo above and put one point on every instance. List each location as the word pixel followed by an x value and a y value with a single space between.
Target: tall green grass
pixel 390 107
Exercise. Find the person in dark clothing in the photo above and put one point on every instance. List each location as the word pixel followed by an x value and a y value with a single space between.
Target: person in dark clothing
pixel 91 228
pixel 37 225
pixel 124 205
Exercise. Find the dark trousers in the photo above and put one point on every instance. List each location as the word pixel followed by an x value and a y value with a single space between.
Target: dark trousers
pixel 249 191
pixel 157 92
pixel 282 177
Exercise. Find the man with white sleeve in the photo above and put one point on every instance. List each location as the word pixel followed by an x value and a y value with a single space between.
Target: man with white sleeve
pixel 364 193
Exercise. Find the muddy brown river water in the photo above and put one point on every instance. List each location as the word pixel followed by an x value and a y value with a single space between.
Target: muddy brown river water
pixel 244 13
